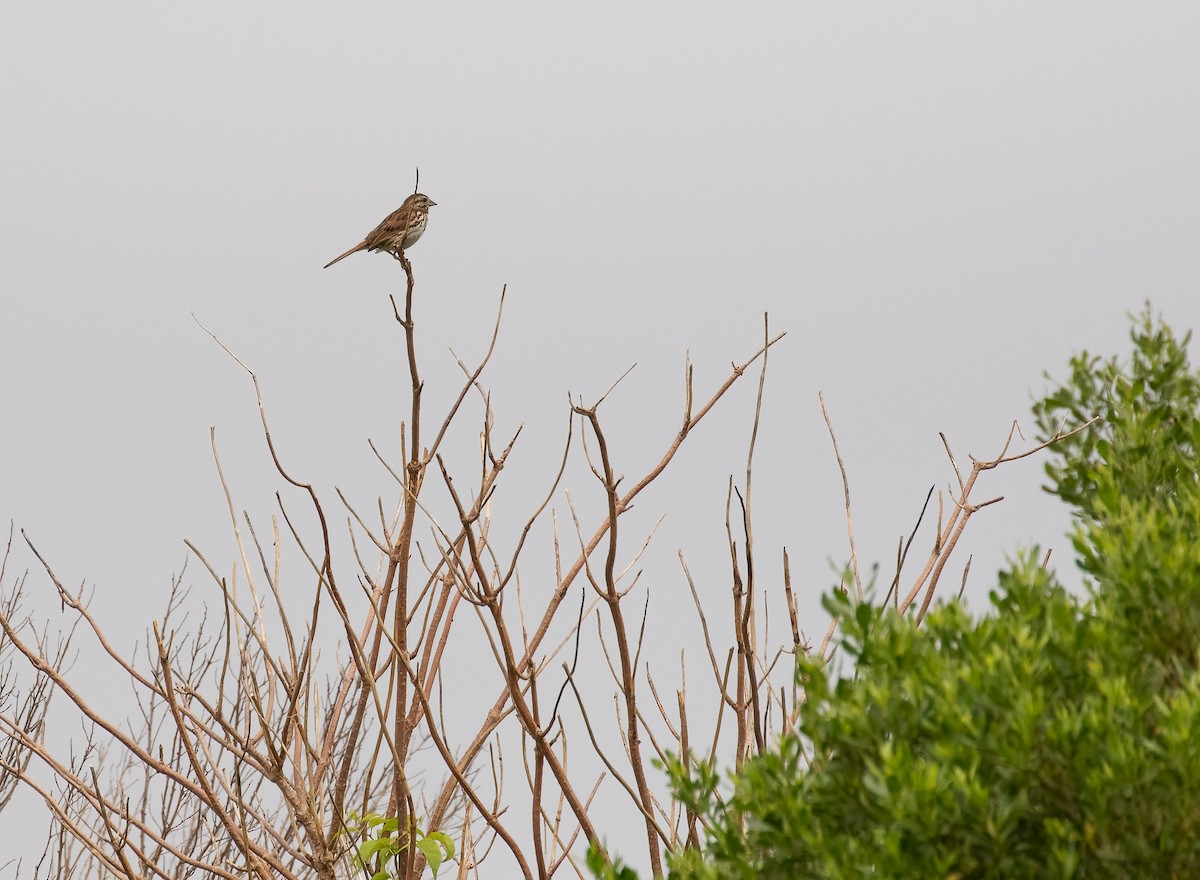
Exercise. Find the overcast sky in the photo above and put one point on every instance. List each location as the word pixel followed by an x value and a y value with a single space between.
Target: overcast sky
pixel 938 202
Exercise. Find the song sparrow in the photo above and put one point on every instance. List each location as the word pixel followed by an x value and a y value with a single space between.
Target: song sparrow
pixel 399 229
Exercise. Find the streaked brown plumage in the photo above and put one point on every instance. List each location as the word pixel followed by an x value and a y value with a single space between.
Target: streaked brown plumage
pixel 399 229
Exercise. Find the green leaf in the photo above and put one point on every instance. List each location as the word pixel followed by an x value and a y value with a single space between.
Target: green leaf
pixel 446 841
pixel 433 853
pixel 369 848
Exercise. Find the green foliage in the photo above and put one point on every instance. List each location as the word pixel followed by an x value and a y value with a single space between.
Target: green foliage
pixel 1134 484
pixel 599 864
pixel 1148 433
pixel 382 845
pixel 1058 736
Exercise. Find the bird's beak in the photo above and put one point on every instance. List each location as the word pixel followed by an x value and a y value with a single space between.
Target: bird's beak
pixel 432 204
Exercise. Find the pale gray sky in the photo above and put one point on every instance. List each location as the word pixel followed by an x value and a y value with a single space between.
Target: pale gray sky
pixel 938 201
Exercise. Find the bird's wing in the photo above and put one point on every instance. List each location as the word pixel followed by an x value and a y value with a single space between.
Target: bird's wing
pixel 388 229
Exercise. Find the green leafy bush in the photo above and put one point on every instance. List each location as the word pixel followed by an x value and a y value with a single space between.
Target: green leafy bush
pixel 1056 736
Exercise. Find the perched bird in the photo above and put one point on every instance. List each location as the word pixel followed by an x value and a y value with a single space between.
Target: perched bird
pixel 399 229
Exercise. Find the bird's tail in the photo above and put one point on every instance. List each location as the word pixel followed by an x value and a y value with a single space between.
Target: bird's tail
pixel 354 250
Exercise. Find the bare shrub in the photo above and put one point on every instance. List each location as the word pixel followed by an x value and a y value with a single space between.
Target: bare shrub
pixel 249 757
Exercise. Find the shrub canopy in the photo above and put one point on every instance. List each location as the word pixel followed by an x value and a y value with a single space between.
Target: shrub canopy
pixel 1057 735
